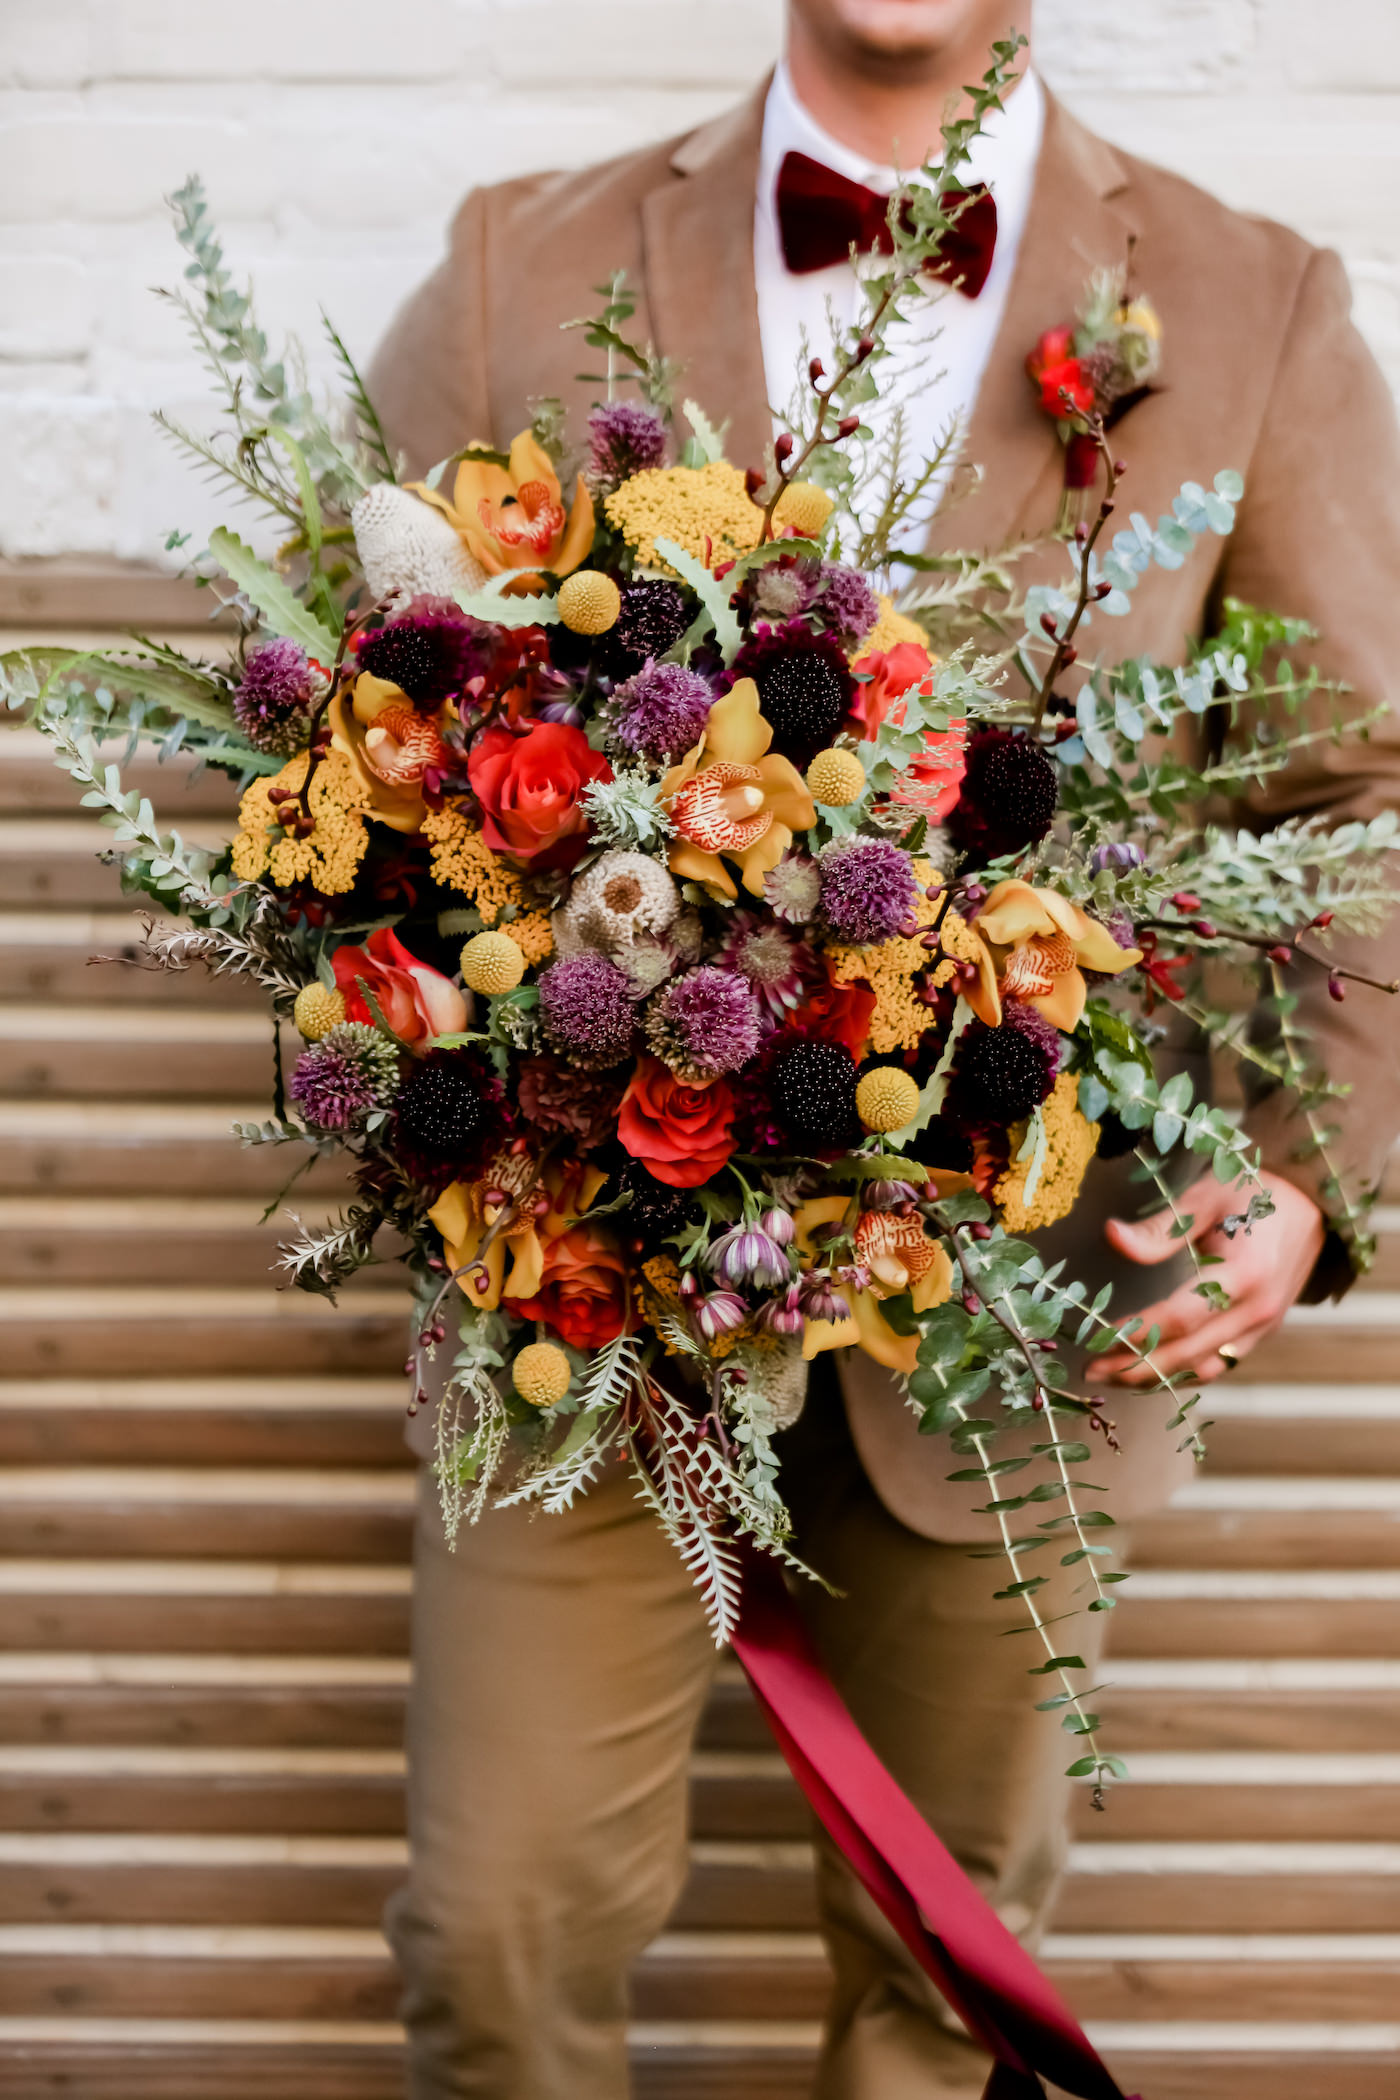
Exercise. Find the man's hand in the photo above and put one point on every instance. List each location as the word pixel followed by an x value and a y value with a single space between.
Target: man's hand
pixel 1262 1269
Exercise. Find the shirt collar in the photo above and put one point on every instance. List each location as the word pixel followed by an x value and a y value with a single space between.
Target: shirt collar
pixel 1003 155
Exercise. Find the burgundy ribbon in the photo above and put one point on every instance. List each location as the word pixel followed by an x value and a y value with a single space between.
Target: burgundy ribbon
pixel 985 1974
pixel 821 213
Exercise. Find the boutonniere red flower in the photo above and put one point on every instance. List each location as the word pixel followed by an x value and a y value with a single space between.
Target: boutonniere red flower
pixel 1092 371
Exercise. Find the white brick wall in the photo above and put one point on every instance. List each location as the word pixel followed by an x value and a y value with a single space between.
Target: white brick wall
pixel 335 137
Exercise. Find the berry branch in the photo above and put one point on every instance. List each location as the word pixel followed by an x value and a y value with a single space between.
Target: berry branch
pixel 1086 538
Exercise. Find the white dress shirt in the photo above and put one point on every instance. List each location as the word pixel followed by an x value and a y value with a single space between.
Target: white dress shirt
pixel 939 355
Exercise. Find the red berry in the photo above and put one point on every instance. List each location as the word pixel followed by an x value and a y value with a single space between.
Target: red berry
pixel 1280 954
pixel 1336 988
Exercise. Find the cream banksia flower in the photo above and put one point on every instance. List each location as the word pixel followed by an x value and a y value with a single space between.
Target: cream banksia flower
pixel 407 549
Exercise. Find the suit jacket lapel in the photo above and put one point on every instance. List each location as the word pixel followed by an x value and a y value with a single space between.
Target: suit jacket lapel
pixel 1080 219
pixel 697 234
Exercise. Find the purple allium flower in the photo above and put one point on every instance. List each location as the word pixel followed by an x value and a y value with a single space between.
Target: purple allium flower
pixel 1015 1013
pixel 793 889
pixel 768 957
pixel 273 704
pixel 429 651
pixel 868 889
pixel 623 439
pixel 847 605
pixel 705 1023
pixel 718 1313
pixel 661 711
pixel 747 1255
pixel 332 1091
pixel 586 1006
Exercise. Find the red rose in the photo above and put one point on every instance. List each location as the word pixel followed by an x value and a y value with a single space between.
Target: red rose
pixel 1055 370
pixel 681 1134
pixel 416 1001
pixel 583 1288
pixel 530 785
pixel 932 780
pixel 838 1013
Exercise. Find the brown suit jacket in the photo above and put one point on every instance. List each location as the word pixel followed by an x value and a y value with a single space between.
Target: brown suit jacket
pixel 1262 371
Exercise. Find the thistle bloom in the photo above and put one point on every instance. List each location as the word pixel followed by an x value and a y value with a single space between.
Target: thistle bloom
pixel 624 438
pixel 704 1023
pixel 868 890
pixel 660 711
pixel 273 704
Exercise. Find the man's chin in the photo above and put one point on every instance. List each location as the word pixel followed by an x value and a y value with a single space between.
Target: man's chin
pixel 881 34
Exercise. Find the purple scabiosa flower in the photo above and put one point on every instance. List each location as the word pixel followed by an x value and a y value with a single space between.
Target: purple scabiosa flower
pixel 846 606
pixel 587 1010
pixel 805 687
pixel 793 889
pixel 782 589
pixel 429 652
pixel 719 1312
pixel 768 957
pixel 1015 1013
pixel 275 699
pixel 661 711
pixel 449 1117
pixel 818 1299
pixel 1009 794
pixel 624 438
pixel 330 1089
pixel 782 1315
pixel 559 1100
pixel 812 1086
pixel 705 1023
pixel 868 889
pixel 747 1255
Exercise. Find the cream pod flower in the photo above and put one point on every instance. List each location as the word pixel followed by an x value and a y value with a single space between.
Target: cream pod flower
pixel 620 900
pixel 407 549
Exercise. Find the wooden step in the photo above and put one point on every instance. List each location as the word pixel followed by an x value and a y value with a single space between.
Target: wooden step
pixel 72 1333
pixel 1363 1332
pixel 93 958
pixel 249 1421
pixel 176 1148
pixel 209 1606
pixel 32 785
pixel 137 1052
pixel 1349 1429
pixel 1248 1611
pixel 136 1238
pixel 1249 1703
pixel 1257 1521
pixel 214 1512
pixel 57 863
pixel 210 1698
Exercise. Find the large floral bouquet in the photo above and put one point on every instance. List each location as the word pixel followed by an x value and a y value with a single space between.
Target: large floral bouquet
pixel 701 960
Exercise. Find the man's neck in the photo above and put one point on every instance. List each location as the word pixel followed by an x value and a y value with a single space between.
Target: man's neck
pixel 891 116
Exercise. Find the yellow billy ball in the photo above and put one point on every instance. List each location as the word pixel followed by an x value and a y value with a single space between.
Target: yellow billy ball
pixel 887 1098
pixel 541 1374
pixel 804 508
pixel 836 778
pixel 492 962
pixel 589 601
pixel 318 1010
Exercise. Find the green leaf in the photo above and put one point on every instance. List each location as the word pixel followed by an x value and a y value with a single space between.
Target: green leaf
pixel 490 604
pixel 1057 1662
pixel 283 611
pixel 709 441
pixel 190 695
pixel 713 592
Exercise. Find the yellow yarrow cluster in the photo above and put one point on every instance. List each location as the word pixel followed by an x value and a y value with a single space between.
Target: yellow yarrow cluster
pixel 328 857
pixel 463 861
pixel 900 1018
pixel 1071 1141
pixel 533 936
pixel 889 631
pixel 707 510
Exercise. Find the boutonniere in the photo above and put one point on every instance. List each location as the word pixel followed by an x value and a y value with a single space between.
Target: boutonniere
pixel 1089 372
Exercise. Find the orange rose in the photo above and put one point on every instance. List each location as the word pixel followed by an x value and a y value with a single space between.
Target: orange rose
pixel 681 1134
pixel 583 1288
pixel 530 785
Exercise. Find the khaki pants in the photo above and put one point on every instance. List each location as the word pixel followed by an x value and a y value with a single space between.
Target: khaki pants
pixel 560 1667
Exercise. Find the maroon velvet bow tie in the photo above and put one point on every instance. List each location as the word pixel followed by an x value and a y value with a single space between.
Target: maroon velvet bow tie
pixel 820 214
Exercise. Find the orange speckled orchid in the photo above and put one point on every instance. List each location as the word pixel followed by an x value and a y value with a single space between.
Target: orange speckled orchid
pixel 900 1257
pixel 389 745
pixel 515 1259
pixel 1033 943
pixel 731 799
pixel 513 517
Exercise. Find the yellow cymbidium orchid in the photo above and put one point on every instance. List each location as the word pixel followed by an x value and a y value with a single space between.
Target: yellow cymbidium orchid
pixel 867 1328
pixel 399 804
pixel 459 1215
pixel 513 517
pixel 731 797
pixel 1031 945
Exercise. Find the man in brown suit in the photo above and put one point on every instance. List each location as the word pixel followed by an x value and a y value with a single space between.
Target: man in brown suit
pixel 561 1666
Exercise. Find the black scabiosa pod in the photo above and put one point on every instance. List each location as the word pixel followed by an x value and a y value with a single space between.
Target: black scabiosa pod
pixel 448 1116
pixel 805 688
pixel 812 1086
pixel 1009 794
pixel 651 620
pixel 999 1075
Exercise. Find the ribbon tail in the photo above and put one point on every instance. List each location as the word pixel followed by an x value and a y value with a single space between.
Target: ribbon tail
pixel 985 1974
